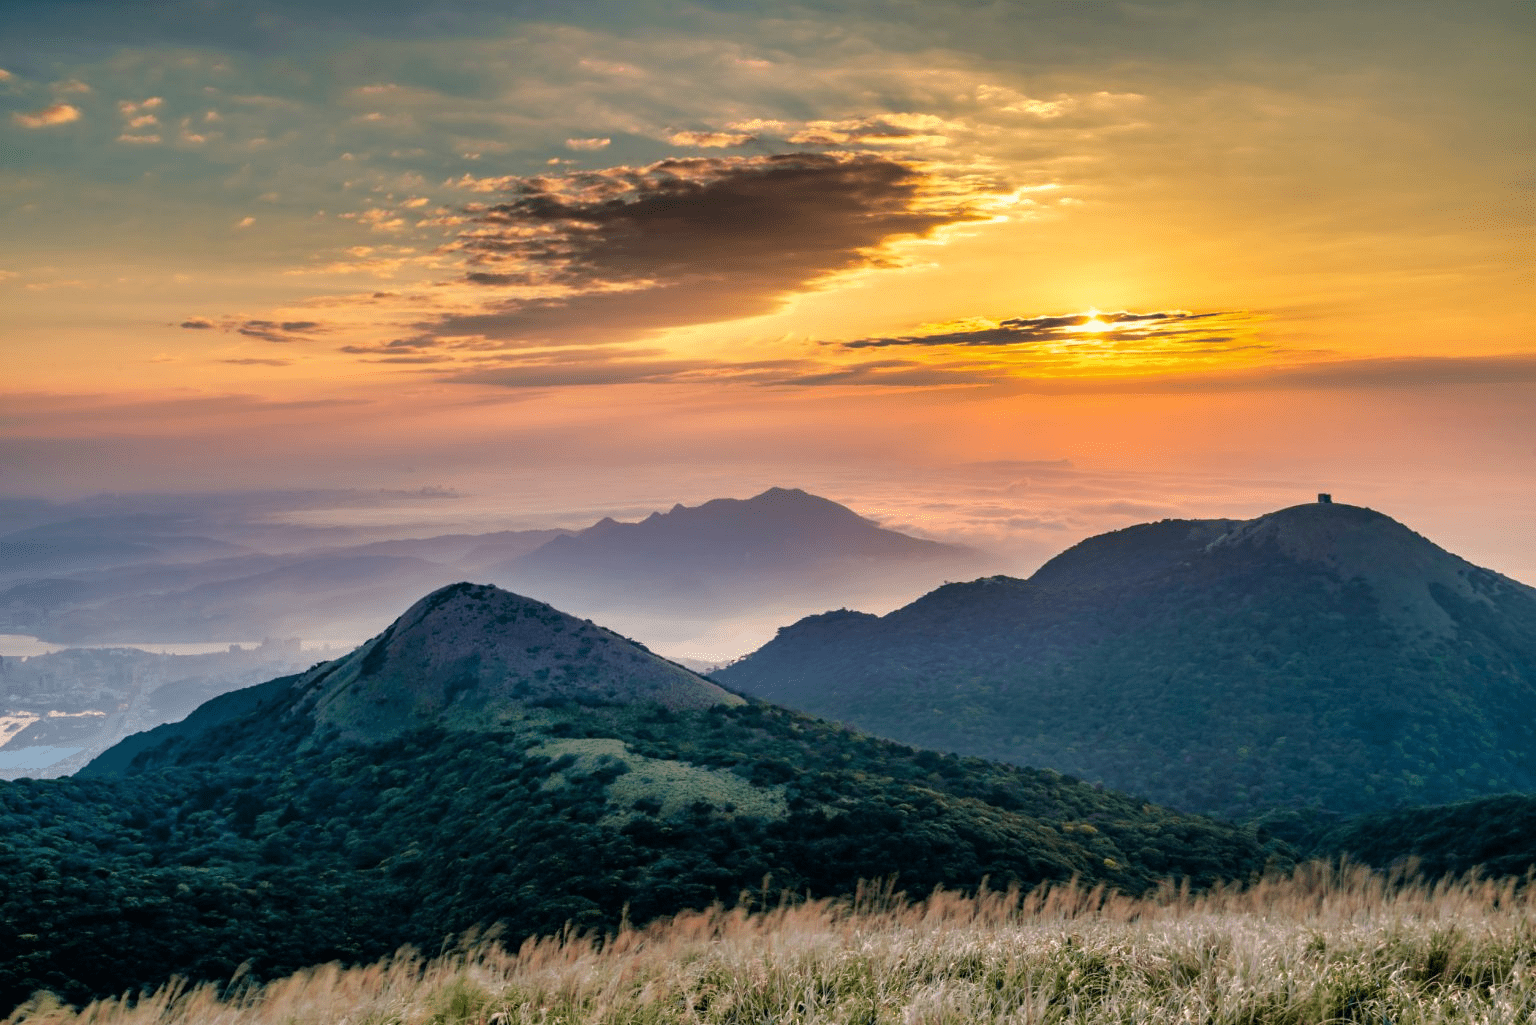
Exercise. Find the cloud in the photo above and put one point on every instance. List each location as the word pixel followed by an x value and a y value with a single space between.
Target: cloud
pixel 58 114
pixel 689 240
pixel 587 144
pixel 1121 327
pixel 566 375
pixel 398 347
pixel 5 75
pixel 271 331
pixel 898 129
pixel 245 222
pixel 892 373
pixel 141 140
pixel 710 140
pixel 1012 101
pixel 266 330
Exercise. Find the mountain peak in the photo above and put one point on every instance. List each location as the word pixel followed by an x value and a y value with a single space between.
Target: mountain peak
pixel 1131 553
pixel 1403 568
pixel 779 527
pixel 469 652
pixel 778 493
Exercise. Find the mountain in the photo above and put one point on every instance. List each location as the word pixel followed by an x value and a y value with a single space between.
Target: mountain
pixel 95 542
pixel 488 761
pixel 710 581
pixel 782 529
pixel 1320 656
pixel 761 561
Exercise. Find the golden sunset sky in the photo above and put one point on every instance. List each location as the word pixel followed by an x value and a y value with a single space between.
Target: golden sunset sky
pixel 1009 272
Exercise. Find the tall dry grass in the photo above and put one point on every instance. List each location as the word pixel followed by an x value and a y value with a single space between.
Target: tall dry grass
pixel 1326 944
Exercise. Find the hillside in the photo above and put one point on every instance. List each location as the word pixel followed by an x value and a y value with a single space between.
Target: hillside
pixel 490 761
pixel 1495 835
pixel 1322 655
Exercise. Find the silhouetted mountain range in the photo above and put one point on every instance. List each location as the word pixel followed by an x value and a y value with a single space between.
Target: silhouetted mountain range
pixel 781 548
pixel 137 577
pixel 1320 656
pixel 490 761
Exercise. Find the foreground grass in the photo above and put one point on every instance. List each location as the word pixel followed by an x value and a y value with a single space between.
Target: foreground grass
pixel 1323 945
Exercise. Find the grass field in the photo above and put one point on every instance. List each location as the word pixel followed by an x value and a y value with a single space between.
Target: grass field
pixel 1325 944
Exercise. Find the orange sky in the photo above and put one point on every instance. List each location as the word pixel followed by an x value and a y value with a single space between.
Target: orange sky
pixel 683 250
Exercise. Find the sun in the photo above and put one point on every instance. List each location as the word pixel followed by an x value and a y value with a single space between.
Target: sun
pixel 1093 324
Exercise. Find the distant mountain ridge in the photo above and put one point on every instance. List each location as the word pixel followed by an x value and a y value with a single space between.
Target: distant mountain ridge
pixel 131 579
pixel 489 761
pixel 692 581
pixel 726 551
pixel 1320 655
pixel 779 524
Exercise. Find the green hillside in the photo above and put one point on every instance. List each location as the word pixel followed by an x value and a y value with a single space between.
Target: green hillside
pixel 1495 835
pixel 491 762
pixel 1321 656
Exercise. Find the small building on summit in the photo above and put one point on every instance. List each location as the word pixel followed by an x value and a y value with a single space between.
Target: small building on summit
pixel 1323 498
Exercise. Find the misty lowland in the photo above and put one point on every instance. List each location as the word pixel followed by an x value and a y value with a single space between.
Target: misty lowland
pixel 1268 770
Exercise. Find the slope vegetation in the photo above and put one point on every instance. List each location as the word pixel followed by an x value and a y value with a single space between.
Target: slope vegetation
pixel 1323 655
pixel 438 780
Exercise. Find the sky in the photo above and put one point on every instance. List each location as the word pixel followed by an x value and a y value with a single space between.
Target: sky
pixel 1011 272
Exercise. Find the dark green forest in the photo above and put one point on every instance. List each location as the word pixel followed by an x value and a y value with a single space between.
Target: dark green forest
pixel 1228 681
pixel 257 848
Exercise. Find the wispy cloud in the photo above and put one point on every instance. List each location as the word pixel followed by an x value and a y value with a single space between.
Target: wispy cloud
pixel 277 331
pixel 710 140
pixel 57 114
pixel 894 129
pixel 1093 326
pixel 267 330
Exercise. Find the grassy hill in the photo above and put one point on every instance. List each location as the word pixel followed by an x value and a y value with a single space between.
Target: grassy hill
pixel 1321 656
pixel 491 762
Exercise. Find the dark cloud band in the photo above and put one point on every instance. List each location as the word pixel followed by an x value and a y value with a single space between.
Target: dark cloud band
pixel 1168 325
pixel 686 241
